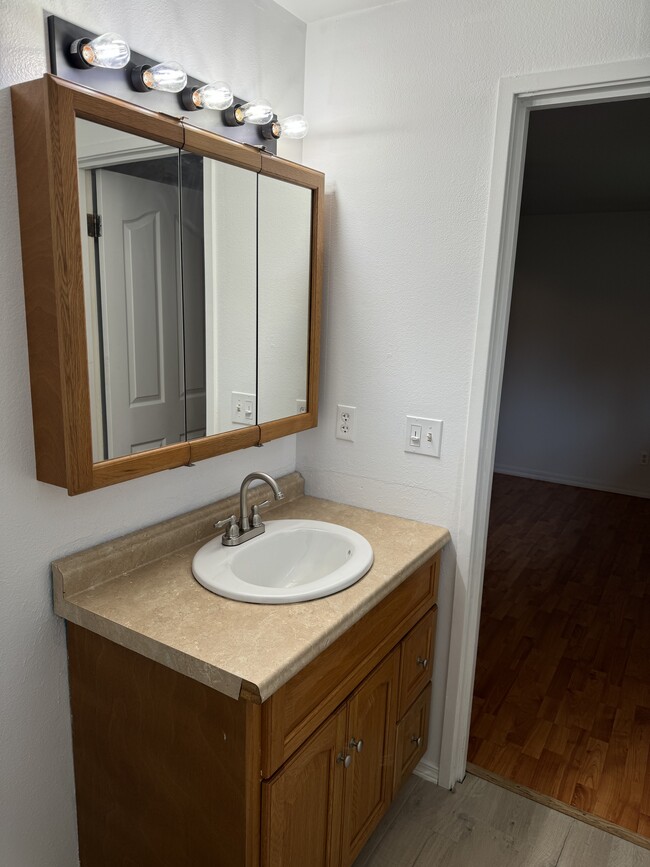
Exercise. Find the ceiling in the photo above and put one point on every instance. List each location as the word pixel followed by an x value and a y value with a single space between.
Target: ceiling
pixel 588 158
pixel 315 10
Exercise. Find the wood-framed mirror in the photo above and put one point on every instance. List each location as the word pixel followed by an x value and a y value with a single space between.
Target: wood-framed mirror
pixel 172 284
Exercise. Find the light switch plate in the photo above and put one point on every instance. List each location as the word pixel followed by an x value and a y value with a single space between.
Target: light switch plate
pixel 423 436
pixel 243 408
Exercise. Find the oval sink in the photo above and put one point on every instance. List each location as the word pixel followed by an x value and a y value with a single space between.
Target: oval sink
pixel 292 561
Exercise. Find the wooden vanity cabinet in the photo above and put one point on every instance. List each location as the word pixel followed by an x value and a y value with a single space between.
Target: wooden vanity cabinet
pixel 169 771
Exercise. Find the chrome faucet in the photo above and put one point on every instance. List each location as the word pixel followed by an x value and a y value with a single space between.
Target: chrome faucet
pixel 251 525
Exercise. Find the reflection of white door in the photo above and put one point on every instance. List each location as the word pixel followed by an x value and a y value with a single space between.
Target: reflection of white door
pixel 140 290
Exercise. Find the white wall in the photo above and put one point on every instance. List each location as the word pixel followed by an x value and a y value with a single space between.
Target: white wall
pixel 233 39
pixel 401 101
pixel 575 405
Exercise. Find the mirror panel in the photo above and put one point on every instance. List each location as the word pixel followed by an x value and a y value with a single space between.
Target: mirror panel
pixel 219 219
pixel 132 290
pixel 110 313
pixel 284 260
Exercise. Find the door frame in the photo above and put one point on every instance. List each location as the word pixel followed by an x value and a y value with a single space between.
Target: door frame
pixel 518 96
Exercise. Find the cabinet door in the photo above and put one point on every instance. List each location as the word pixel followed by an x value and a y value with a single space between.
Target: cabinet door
pixel 416 661
pixel 301 805
pixel 372 721
pixel 412 738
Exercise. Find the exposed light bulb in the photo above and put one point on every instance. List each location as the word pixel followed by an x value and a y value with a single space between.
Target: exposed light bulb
pixel 294 126
pixel 108 51
pixel 216 96
pixel 169 76
pixel 258 112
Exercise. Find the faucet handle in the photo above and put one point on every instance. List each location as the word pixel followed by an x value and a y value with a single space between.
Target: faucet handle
pixel 232 527
pixel 256 520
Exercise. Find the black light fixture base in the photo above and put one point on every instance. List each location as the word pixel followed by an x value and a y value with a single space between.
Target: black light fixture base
pixel 230 115
pixel 137 80
pixel 119 84
pixel 75 53
pixel 272 131
pixel 187 98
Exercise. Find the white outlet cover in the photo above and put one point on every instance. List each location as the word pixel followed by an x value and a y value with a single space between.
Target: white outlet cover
pixel 243 409
pixel 423 436
pixel 345 422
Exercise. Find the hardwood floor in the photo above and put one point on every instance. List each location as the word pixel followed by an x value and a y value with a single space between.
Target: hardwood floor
pixel 562 691
pixel 480 824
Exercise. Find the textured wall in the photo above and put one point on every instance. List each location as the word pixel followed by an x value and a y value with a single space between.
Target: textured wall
pixel 402 103
pixel 575 405
pixel 234 39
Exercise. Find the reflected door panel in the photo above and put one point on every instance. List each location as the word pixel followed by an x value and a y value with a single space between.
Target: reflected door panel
pixel 284 258
pixel 139 298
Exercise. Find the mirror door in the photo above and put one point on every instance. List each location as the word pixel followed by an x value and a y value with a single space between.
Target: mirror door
pixel 133 290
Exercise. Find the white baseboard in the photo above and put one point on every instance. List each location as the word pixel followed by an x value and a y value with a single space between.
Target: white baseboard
pixel 427 770
pixel 567 480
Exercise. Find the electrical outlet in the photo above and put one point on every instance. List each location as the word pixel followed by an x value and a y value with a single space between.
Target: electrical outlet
pixel 345 422
pixel 242 407
pixel 644 459
pixel 301 405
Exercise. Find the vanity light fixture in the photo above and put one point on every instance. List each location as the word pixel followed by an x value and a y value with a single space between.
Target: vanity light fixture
pixel 169 76
pixel 258 112
pixel 294 126
pixel 108 51
pixel 216 96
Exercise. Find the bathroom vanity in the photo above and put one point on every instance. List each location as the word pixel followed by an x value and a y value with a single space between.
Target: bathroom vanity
pixel 213 732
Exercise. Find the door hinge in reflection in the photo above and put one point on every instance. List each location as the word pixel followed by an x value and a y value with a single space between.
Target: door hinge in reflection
pixel 94 225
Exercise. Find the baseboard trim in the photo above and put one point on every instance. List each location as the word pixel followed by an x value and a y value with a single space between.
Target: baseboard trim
pixel 560 806
pixel 427 770
pixel 566 480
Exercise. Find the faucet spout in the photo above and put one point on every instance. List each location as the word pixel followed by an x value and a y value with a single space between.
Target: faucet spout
pixel 244 522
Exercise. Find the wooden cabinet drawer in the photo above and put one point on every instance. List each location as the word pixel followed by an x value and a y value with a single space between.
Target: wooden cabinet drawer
pixel 300 706
pixel 412 737
pixel 416 660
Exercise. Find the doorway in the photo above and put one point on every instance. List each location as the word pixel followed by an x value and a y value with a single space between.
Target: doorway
pixel 517 97
pixel 562 688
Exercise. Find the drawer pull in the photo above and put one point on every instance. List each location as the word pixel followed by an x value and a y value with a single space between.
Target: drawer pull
pixel 423 661
pixel 344 760
pixel 416 739
pixel 356 744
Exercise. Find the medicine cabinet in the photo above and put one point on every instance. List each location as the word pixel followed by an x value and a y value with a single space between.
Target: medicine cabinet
pixel 172 284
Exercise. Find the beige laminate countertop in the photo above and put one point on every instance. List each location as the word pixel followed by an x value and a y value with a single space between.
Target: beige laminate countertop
pixel 139 592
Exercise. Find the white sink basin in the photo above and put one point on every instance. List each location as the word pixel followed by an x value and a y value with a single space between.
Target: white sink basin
pixel 292 561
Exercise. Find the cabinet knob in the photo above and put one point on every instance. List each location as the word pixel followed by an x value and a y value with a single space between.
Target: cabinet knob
pixel 356 744
pixel 416 739
pixel 344 760
pixel 423 661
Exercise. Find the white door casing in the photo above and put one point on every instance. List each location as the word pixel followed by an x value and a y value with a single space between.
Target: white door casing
pixel 517 97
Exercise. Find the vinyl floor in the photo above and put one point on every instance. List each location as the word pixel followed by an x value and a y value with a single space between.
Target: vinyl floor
pixel 480 824
pixel 562 690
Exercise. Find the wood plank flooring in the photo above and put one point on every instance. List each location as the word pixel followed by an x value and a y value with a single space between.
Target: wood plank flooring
pixel 562 690
pixel 480 824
